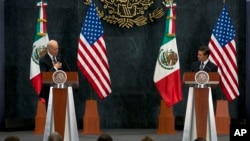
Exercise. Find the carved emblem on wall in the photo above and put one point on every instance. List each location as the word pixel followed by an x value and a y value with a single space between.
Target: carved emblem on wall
pixel 128 13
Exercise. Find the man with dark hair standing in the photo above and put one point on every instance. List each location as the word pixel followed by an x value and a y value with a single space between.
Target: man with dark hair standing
pixel 203 63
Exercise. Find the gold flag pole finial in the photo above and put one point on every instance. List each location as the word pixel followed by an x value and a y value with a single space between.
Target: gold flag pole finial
pixel 87 2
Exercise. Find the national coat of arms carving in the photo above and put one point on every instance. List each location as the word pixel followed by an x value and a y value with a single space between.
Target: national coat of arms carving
pixel 128 13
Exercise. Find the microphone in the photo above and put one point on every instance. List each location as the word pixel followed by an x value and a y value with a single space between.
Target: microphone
pixel 58 58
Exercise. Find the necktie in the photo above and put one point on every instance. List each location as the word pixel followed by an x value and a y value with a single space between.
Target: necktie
pixel 202 65
pixel 54 59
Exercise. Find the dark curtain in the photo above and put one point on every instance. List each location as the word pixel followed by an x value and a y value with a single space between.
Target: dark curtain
pixel 132 53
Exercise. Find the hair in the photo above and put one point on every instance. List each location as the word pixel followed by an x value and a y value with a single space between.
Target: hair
pixel 200 139
pixel 205 50
pixel 147 138
pixel 12 138
pixel 55 137
pixel 104 137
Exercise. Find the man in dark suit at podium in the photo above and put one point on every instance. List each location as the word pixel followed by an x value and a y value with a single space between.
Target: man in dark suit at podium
pixel 203 63
pixel 51 62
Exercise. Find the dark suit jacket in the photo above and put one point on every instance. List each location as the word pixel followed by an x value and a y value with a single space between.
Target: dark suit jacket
pixel 209 67
pixel 46 64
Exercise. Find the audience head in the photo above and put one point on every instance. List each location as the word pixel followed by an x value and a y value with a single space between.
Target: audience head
pixel 200 139
pixel 147 138
pixel 104 137
pixel 55 137
pixel 12 138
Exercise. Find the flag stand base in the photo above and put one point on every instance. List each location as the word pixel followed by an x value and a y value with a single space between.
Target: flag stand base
pixel 91 121
pixel 222 118
pixel 166 120
pixel 40 118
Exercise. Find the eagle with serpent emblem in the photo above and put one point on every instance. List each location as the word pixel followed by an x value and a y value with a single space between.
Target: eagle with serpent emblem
pixel 128 13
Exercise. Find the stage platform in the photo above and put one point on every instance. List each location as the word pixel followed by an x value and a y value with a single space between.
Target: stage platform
pixel 117 135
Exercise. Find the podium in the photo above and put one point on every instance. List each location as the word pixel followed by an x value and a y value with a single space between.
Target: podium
pixel 61 116
pixel 91 120
pixel 166 120
pixel 199 119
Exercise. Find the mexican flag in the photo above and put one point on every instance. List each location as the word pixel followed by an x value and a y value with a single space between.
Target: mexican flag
pixel 167 70
pixel 39 48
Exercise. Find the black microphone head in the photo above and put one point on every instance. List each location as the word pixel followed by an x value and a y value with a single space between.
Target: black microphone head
pixel 58 58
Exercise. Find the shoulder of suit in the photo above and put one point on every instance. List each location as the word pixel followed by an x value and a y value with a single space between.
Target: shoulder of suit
pixel 45 57
pixel 213 64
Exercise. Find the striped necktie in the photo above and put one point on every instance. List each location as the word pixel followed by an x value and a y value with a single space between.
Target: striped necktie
pixel 201 66
pixel 54 59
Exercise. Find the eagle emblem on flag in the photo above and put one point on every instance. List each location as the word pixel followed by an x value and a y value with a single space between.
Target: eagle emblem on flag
pixel 167 59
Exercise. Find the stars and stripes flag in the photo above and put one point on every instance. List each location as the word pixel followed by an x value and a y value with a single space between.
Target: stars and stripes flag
pixel 167 70
pixel 223 54
pixel 39 48
pixel 92 55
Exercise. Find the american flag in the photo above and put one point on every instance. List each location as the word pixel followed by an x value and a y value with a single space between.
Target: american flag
pixel 223 53
pixel 92 54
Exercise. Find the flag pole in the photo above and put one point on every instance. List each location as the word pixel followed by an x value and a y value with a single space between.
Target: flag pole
pixel 91 94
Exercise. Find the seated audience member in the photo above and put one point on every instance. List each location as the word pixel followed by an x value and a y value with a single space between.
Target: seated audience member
pixel 104 137
pixel 12 138
pixel 147 138
pixel 55 137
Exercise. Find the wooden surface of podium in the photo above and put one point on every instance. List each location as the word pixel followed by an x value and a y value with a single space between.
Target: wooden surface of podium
pixel 166 120
pixel 91 120
pixel 199 120
pixel 72 79
pixel 222 118
pixel 201 110
pixel 59 104
pixel 40 118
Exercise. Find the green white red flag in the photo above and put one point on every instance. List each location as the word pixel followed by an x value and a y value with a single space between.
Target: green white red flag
pixel 39 47
pixel 167 70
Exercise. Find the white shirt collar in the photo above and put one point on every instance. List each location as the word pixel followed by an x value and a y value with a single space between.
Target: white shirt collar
pixel 205 62
pixel 51 56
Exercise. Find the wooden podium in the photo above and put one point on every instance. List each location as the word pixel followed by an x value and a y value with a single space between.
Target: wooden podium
pixel 166 120
pixel 72 79
pixel 40 118
pixel 199 120
pixel 91 120
pixel 222 118
pixel 61 111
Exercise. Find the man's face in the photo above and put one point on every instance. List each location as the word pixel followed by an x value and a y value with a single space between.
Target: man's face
pixel 53 49
pixel 201 56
